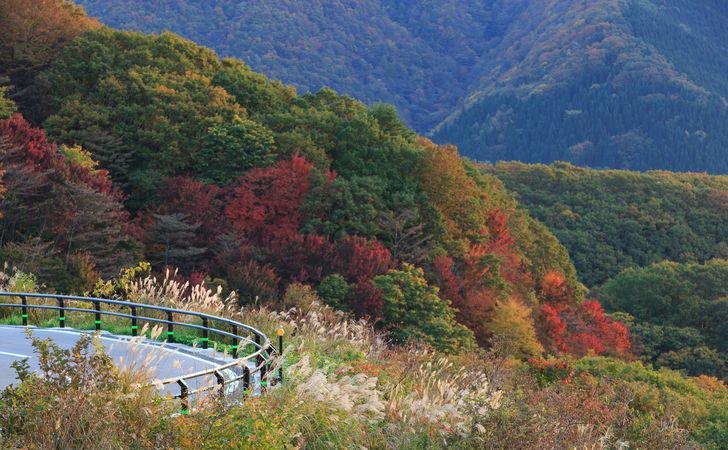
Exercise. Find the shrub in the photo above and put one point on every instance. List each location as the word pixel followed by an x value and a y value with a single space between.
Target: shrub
pixel 334 290
pixel 79 399
pixel 413 311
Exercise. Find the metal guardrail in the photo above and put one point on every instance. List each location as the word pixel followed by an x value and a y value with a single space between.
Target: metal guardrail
pixel 264 353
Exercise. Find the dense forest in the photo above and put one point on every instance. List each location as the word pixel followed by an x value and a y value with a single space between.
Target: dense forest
pixel 606 84
pixel 417 55
pixel 621 228
pixel 160 150
pixel 678 314
pixel 610 220
pixel 425 305
pixel 622 84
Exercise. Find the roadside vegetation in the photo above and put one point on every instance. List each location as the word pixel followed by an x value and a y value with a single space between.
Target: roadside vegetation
pixel 347 385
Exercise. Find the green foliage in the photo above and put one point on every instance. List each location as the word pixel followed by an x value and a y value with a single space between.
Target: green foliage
pixel 681 295
pixel 334 290
pixel 24 282
pixel 699 404
pixel 61 404
pixel 230 150
pixel 114 287
pixel 414 311
pixel 611 220
pixel 597 83
pixel 438 45
pixel 77 155
pixel 7 106
pixel 155 92
pixel 695 361
pixel 259 95
pixel 680 313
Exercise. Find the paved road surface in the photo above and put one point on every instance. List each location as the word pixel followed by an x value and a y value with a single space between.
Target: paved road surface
pixel 169 360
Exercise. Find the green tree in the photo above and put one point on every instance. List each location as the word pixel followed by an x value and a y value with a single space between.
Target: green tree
pixel 157 96
pixel 231 149
pixel 334 290
pixel 413 311
pixel 7 107
pixel 680 312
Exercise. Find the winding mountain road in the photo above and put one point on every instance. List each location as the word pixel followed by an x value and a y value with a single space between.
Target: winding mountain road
pixel 168 360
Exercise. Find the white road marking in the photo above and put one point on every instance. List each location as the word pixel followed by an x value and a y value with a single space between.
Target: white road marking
pixel 227 373
pixel 127 340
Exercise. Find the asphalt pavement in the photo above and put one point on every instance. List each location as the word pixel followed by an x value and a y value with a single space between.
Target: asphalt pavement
pixel 164 360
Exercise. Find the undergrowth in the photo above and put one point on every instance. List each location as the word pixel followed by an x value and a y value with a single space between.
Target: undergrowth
pixel 345 386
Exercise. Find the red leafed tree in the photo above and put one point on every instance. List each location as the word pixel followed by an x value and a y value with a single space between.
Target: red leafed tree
pixel 300 258
pixel 43 156
pixel 71 209
pixel 555 288
pixel 451 287
pixel 266 202
pixel 470 293
pixel 496 240
pixel 582 329
pixel 200 203
pixel 501 240
pixel 553 329
pixel 358 259
pixel 367 300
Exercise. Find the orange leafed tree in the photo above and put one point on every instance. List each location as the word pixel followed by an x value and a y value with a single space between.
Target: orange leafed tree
pixel 453 192
pixel 34 31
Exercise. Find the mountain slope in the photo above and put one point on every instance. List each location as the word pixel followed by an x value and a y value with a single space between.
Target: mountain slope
pixel 605 84
pixel 614 219
pixel 632 84
pixel 417 55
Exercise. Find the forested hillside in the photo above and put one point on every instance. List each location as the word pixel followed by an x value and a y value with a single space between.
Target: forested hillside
pixel 610 220
pixel 418 55
pixel 626 233
pixel 423 306
pixel 230 177
pixel 631 84
pixel 606 84
pixel 678 314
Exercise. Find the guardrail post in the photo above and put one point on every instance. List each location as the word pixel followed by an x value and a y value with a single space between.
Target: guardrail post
pixel 221 383
pixel 205 333
pixel 184 395
pixel 246 381
pixel 236 342
pixel 97 308
pixel 61 314
pixel 170 327
pixel 24 310
pixel 259 359
pixel 134 325
pixel 264 375
pixel 280 332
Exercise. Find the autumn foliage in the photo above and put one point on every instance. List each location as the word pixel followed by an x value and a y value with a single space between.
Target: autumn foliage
pixel 62 215
pixel 266 201
pixel 578 328
pixel 231 176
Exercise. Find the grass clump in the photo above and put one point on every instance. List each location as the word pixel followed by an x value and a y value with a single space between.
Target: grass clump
pixel 79 399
